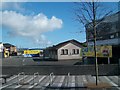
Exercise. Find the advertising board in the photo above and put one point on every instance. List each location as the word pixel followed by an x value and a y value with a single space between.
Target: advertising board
pixel 101 51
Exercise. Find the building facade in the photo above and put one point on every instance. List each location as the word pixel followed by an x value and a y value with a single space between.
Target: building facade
pixel 107 30
pixel 107 33
pixel 9 50
pixel 65 51
pixel 1 47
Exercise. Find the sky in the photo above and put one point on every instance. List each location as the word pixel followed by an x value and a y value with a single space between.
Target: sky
pixel 41 24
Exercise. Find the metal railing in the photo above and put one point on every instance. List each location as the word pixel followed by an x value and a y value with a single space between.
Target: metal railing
pixel 36 75
pixel 68 79
pixel 23 78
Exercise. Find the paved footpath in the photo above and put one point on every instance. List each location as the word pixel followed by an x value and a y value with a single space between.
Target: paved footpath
pixel 57 82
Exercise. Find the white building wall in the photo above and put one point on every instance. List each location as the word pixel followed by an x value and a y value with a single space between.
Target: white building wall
pixel 1 47
pixel 70 47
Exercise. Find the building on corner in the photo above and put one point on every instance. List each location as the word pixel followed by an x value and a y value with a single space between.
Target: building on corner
pixel 107 33
pixel 9 50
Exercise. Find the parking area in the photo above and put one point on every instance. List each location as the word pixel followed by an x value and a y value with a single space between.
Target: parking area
pixel 57 82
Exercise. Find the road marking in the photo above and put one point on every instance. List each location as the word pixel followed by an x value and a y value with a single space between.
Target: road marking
pixel 72 83
pixel 84 79
pixel 15 76
pixel 59 84
pixel 61 81
pixel 112 82
pixel 26 82
pixel 33 85
pixel 37 83
pixel 117 77
pixel 49 83
pixel 11 83
pixel 80 81
pixel 95 79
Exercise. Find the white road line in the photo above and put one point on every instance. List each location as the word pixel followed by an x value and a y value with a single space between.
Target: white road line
pixel 72 83
pixel 48 82
pixel 26 82
pixel 80 81
pixel 18 86
pixel 12 83
pixel 37 83
pixel 33 85
pixel 15 76
pixel 84 79
pixel 61 81
pixel 112 83
pixel 97 79
pixel 117 77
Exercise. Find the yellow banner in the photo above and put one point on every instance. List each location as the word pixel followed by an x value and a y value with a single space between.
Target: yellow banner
pixel 31 51
pixel 101 51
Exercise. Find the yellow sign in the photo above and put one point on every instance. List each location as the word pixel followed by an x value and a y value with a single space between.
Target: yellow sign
pixel 6 53
pixel 101 51
pixel 31 51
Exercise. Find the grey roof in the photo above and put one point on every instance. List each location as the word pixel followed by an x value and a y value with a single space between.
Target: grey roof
pixel 75 42
pixel 8 45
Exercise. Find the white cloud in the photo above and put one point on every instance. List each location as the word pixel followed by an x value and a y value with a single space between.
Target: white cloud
pixel 42 40
pixel 12 5
pixel 30 26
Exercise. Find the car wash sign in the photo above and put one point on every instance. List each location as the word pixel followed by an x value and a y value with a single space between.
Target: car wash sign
pixel 101 51
pixel 31 53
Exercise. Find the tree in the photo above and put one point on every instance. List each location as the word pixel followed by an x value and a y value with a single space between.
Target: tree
pixel 89 14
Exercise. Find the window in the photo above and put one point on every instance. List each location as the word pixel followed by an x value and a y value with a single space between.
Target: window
pixel 77 51
pixel 66 51
pixel 73 51
pixel 62 52
pixel 55 52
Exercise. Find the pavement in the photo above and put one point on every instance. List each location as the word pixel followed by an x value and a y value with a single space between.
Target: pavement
pixel 58 82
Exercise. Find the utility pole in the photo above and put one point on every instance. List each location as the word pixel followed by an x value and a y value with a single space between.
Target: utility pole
pixel 94 28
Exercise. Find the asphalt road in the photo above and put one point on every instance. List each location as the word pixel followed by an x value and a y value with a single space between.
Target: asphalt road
pixel 19 61
pixel 15 65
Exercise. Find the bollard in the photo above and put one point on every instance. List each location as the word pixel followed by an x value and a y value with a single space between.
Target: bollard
pixel 34 76
pixel 51 78
pixel 22 73
pixel 68 77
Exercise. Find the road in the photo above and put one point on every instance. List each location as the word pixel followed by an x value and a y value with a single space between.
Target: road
pixel 79 76
pixel 19 61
